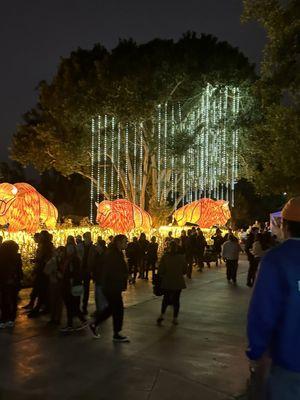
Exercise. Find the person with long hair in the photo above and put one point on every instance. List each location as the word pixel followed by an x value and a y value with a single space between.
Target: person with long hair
pixel 171 271
pixel 10 282
pixel 114 282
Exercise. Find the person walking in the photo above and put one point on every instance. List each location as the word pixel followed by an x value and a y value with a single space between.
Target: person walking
pixel 72 289
pixel 97 275
pixel 274 313
pixel 87 265
pixel 171 270
pixel 230 253
pixel 132 254
pixel 199 249
pixel 142 260
pixel 248 250
pixel 41 285
pixel 259 248
pixel 218 241
pixel 115 275
pixel 152 256
pixel 54 271
pixel 10 282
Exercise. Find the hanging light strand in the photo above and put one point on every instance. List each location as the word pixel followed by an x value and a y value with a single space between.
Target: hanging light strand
pixel 159 154
pixel 112 172
pixel 92 172
pixel 98 158
pixel 105 157
pixel 118 160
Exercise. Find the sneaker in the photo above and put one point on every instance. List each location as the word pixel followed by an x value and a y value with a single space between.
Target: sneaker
pixel 67 329
pixel 3 325
pixel 95 331
pixel 159 321
pixel 120 339
pixel 10 324
pixel 83 325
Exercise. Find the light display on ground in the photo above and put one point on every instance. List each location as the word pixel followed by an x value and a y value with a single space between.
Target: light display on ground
pixel 208 166
pixel 23 208
pixel 122 216
pixel 204 212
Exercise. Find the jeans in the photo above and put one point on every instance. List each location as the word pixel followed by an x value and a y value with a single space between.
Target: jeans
pixel 100 299
pixel 283 384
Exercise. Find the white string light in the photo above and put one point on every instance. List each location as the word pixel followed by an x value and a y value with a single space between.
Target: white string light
pixel 159 153
pixel 92 172
pixel 141 160
pixel 98 158
pixel 105 157
pixel 112 172
pixel 126 158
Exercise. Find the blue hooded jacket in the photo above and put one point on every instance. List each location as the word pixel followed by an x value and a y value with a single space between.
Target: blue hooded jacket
pixel 274 312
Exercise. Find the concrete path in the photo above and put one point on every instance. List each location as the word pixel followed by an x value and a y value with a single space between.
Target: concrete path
pixel 201 358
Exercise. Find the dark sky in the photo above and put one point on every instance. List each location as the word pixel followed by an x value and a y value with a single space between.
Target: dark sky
pixel 34 34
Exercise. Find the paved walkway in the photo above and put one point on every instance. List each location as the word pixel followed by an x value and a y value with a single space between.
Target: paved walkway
pixel 201 358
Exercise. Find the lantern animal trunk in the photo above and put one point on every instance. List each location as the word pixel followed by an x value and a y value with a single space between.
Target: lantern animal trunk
pixel 122 216
pixel 23 208
pixel 205 213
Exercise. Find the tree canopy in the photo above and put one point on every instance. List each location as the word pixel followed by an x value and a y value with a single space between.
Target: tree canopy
pixel 272 143
pixel 128 81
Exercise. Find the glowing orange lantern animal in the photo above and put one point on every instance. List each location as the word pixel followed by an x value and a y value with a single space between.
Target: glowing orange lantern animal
pixel 23 208
pixel 122 216
pixel 205 213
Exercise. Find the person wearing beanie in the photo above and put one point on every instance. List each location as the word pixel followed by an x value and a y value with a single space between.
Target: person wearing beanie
pixel 274 313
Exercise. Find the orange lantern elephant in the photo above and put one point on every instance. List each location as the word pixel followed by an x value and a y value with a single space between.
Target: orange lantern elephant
pixel 205 213
pixel 122 216
pixel 23 208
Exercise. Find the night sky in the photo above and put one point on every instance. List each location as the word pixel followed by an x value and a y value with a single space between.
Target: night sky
pixel 34 34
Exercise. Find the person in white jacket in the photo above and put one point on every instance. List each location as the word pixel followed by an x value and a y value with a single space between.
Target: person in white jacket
pixel 230 253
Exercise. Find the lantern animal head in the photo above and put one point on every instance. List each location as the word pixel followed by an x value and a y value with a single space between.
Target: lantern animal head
pixel 8 194
pixel 205 213
pixel 22 207
pixel 122 216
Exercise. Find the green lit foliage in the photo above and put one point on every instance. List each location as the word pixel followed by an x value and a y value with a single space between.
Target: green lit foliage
pixel 272 142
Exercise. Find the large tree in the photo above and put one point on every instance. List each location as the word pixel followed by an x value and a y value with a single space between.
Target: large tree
pixel 127 82
pixel 272 143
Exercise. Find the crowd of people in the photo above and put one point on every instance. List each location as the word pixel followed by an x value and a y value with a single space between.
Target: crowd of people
pixel 63 275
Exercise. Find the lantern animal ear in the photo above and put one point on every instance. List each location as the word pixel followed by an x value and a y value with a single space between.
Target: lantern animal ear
pixel 14 190
pixel 97 204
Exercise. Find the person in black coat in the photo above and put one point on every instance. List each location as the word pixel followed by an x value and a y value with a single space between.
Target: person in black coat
pixel 10 282
pixel 72 289
pixel 132 254
pixel 152 256
pixel 97 275
pixel 115 275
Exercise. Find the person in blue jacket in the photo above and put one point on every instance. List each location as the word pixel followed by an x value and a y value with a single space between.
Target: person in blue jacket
pixel 274 311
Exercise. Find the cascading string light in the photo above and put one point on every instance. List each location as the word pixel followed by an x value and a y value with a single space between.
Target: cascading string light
pixel 165 149
pixel 233 148
pixel 112 157
pixel 105 157
pixel 135 162
pixel 98 158
pixel 126 158
pixel 118 160
pixel 172 155
pixel 141 161
pixel 159 153
pixel 92 172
